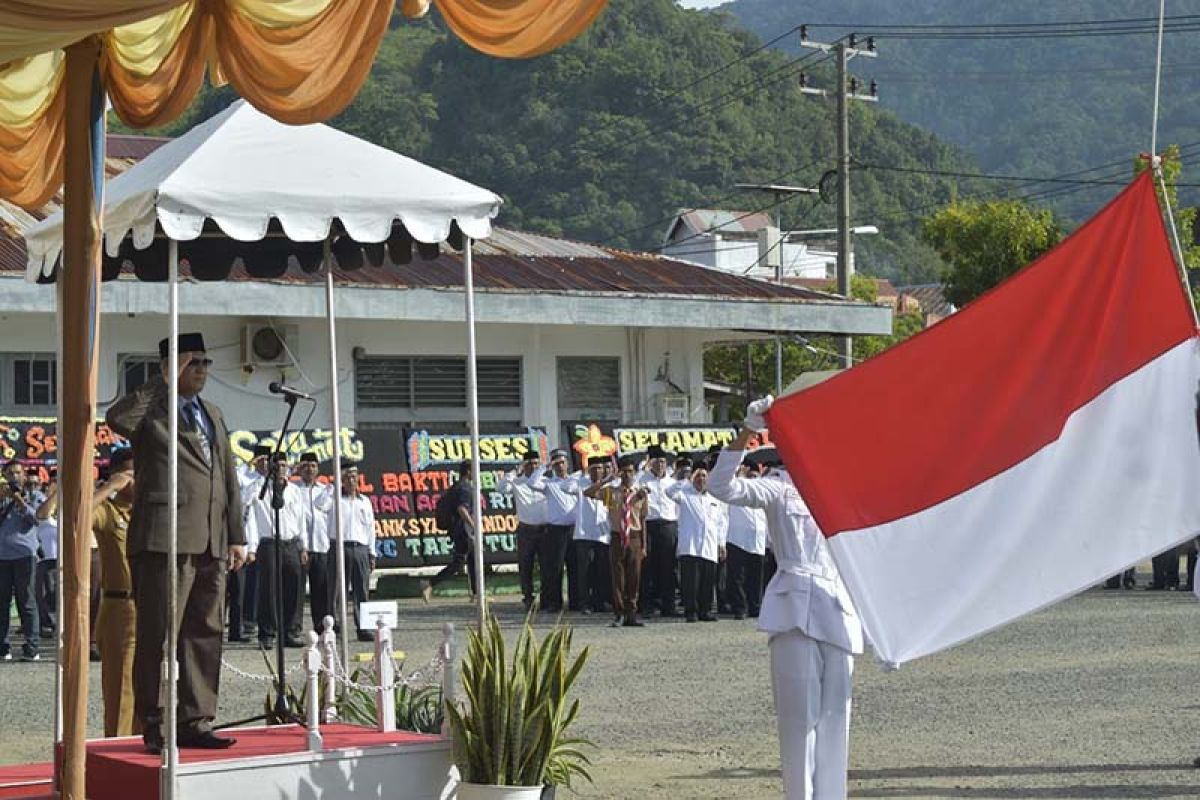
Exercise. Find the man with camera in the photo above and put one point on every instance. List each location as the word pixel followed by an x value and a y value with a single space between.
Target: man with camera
pixel 18 558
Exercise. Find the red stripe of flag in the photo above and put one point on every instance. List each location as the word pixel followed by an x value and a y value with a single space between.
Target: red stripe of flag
pixel 991 385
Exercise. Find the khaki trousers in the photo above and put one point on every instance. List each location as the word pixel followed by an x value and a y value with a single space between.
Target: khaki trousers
pixel 116 630
pixel 626 569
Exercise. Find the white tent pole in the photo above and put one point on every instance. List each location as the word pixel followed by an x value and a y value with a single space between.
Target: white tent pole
pixel 335 429
pixel 473 400
pixel 170 750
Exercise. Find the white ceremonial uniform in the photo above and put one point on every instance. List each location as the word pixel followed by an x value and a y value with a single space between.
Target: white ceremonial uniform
pixel 316 503
pixel 748 529
pixel 260 519
pixel 702 522
pixel 562 497
pixel 658 505
pixel 530 503
pixel 814 634
pixel 358 521
pixel 591 518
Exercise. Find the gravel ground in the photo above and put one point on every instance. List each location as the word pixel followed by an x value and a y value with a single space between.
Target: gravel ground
pixel 1094 698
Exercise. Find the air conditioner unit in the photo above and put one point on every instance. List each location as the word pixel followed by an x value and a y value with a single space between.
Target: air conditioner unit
pixel 266 345
pixel 673 409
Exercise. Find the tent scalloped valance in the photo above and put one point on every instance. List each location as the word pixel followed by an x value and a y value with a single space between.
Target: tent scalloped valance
pixel 299 61
pixel 215 174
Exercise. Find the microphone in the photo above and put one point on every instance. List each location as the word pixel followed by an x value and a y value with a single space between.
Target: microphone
pixel 291 394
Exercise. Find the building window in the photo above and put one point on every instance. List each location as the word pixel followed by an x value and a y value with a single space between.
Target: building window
pixel 589 387
pixel 136 370
pixel 35 380
pixel 433 389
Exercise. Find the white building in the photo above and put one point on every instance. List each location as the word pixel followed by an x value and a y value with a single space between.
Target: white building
pixel 567 331
pixel 746 243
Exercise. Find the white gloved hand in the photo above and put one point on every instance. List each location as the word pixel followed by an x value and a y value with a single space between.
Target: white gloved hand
pixel 755 414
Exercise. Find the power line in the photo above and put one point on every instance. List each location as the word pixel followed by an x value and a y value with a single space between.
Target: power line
pixel 986 176
pixel 993 25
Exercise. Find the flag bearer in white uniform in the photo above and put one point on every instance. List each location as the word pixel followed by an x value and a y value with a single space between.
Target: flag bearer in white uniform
pixel 813 628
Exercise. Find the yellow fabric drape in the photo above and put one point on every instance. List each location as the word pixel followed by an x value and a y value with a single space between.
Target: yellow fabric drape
pixel 30 27
pixel 519 28
pixel 300 61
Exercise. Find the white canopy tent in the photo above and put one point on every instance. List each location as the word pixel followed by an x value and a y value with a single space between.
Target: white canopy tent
pixel 242 185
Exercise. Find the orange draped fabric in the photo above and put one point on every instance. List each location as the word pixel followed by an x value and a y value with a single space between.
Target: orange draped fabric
pixel 519 28
pixel 300 63
pixel 31 157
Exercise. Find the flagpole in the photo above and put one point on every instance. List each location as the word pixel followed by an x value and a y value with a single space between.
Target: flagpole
pixel 1162 8
pixel 1181 265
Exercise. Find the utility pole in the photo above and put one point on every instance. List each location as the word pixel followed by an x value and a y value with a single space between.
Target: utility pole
pixel 847 90
pixel 780 193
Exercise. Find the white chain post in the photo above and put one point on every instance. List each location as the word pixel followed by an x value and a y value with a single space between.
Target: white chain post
pixel 385 674
pixel 449 677
pixel 329 653
pixel 312 666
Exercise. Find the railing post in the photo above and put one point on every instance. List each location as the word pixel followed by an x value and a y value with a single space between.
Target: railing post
pixel 312 666
pixel 385 705
pixel 449 676
pixel 329 654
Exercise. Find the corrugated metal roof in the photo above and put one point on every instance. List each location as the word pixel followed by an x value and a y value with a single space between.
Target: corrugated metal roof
pixel 714 220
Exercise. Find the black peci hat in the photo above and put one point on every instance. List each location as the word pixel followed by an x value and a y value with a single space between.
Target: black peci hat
pixel 188 343
pixel 309 458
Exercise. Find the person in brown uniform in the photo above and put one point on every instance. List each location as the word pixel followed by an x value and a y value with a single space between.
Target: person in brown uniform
pixel 210 540
pixel 627 505
pixel 115 628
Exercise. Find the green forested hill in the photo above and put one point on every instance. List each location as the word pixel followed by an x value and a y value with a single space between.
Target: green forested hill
pixel 1020 106
pixel 606 138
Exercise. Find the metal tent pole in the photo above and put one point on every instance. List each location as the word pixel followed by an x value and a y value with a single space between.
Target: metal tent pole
pixel 473 407
pixel 171 746
pixel 336 432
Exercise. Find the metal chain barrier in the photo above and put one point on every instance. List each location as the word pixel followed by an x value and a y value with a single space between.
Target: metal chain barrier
pixel 428 675
pixel 250 676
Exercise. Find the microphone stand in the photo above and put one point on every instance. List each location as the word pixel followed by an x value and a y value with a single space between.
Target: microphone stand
pixel 277 483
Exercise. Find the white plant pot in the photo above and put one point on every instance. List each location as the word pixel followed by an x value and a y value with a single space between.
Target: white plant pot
pixel 479 791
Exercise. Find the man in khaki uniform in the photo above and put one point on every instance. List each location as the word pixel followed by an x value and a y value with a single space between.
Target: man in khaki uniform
pixel 627 504
pixel 210 539
pixel 115 629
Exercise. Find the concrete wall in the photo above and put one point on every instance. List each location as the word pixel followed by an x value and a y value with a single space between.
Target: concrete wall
pixel 643 353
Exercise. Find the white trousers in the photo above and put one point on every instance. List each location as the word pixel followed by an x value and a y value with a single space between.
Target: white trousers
pixel 811 682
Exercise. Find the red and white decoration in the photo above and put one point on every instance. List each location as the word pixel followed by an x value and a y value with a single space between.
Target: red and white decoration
pixel 1040 440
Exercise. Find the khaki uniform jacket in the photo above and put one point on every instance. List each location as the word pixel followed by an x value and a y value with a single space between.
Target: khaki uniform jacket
pixel 210 509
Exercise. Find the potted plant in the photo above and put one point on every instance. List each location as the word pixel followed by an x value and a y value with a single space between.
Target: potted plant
pixel 510 735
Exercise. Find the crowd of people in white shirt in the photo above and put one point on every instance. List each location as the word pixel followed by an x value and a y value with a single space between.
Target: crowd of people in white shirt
pixel 695 549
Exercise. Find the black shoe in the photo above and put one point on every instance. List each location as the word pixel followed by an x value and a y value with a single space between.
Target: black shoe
pixel 44 633
pixel 153 741
pixel 739 615
pixel 266 644
pixel 238 639
pixel 707 618
pixel 634 622
pixel 690 618
pixel 672 613
pixel 585 611
pixel 753 614
pixel 293 641
pixel 205 740
pixel 616 623
pixel 29 654
pixel 94 653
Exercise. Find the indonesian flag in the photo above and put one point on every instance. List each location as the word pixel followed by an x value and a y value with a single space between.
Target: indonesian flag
pixel 1029 446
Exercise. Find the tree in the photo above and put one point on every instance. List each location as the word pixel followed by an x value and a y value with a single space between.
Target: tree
pixel 727 363
pixel 984 242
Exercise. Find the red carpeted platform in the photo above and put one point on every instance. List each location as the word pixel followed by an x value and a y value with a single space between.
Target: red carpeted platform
pixel 26 781
pixel 120 769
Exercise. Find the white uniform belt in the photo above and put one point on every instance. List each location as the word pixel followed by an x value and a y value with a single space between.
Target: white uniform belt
pixel 800 568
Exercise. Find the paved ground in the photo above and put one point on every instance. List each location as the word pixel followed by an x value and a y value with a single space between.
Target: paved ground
pixel 1094 698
